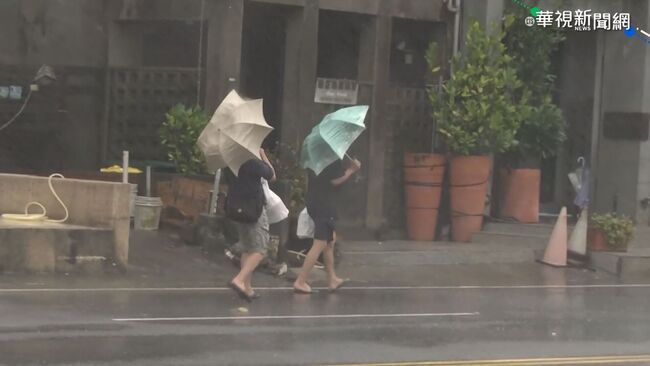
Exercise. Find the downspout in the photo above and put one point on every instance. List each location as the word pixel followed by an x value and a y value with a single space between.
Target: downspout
pixel 454 7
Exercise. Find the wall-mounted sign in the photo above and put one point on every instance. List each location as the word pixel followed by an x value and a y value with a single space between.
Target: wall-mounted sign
pixel 336 91
pixel 4 92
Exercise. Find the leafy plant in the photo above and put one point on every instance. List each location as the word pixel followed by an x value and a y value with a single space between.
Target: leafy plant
pixel 178 135
pixel 618 228
pixel 540 134
pixel 286 162
pixel 480 108
pixel 543 129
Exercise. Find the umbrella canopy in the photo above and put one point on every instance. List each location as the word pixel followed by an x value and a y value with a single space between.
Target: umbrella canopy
pixel 235 133
pixel 332 137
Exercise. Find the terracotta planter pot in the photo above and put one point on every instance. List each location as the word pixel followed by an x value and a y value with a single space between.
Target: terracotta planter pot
pixel 423 174
pixel 597 242
pixel 519 194
pixel 469 182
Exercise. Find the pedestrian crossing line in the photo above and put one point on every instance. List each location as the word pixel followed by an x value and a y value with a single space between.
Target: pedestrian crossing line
pixel 560 361
pixel 288 317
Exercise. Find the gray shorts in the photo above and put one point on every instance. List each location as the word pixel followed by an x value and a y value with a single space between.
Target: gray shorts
pixel 253 237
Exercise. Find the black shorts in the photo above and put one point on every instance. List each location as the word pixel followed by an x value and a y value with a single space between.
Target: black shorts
pixel 324 217
pixel 324 229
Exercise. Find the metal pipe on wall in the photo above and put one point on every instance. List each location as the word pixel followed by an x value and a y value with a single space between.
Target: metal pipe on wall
pixel 456 10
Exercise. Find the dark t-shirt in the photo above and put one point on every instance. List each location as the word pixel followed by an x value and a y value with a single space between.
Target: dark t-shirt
pixel 248 185
pixel 321 192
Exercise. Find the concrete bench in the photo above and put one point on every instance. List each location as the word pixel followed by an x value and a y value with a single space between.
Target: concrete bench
pixel 98 225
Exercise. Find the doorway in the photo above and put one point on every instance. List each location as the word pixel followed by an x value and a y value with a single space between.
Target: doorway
pixel 576 68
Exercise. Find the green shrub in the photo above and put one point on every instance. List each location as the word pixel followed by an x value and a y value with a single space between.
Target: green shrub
pixel 179 133
pixel 618 228
pixel 480 108
pixel 541 133
pixel 543 129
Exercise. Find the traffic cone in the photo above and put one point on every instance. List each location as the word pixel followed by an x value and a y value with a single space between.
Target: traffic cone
pixel 578 239
pixel 556 250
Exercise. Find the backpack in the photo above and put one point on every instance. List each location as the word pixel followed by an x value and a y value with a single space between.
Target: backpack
pixel 246 211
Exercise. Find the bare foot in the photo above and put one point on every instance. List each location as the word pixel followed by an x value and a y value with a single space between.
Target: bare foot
pixel 302 287
pixel 335 284
pixel 240 290
pixel 239 284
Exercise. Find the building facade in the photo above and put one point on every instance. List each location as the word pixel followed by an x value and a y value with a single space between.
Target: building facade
pixel 122 63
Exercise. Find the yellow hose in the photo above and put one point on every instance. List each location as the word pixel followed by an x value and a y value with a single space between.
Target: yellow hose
pixel 41 216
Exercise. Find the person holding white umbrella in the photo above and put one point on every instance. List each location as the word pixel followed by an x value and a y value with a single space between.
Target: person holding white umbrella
pixel 245 206
pixel 233 139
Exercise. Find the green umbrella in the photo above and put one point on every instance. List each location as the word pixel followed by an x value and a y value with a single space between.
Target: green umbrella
pixel 330 140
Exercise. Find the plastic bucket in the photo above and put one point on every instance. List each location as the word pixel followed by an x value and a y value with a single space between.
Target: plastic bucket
pixel 147 213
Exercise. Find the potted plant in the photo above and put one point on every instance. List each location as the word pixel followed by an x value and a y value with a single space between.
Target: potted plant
pixel 423 173
pixel 187 194
pixel 543 127
pixel 478 112
pixel 609 232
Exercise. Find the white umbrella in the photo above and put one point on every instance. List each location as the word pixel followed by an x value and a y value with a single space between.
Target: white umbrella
pixel 235 133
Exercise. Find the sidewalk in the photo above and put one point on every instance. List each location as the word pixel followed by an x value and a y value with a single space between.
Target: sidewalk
pixel 158 260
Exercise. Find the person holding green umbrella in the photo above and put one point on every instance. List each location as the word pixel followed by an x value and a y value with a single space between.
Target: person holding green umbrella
pixel 322 153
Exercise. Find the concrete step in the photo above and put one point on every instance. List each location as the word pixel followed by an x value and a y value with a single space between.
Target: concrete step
pixel 520 229
pixel 641 237
pixel 404 253
pixel 492 237
pixel 634 263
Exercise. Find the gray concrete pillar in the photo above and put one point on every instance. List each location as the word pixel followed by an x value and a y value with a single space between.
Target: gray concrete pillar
pixel 377 125
pixel 224 43
pixel 301 62
pixel 623 164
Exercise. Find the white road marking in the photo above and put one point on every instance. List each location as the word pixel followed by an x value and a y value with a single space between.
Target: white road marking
pixel 346 288
pixel 286 317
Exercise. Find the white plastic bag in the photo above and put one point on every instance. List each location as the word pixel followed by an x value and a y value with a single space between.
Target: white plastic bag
pixel 306 225
pixel 275 208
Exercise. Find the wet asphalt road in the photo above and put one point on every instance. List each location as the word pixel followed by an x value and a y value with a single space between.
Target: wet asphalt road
pixel 361 324
pixel 389 313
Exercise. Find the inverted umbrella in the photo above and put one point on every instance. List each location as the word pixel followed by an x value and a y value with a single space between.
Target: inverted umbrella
pixel 332 137
pixel 234 134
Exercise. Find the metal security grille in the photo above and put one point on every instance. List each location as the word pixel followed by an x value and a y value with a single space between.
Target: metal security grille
pixel 138 99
